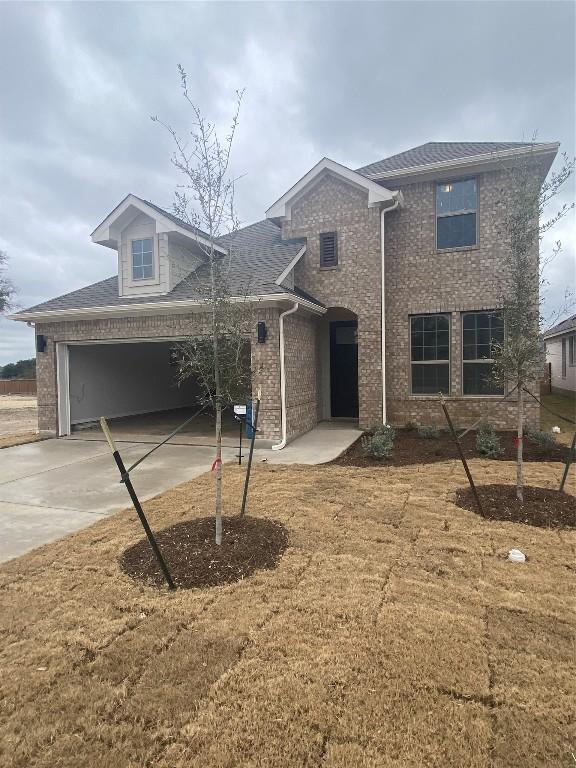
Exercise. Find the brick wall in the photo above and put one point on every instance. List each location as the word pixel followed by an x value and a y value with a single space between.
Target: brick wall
pixel 421 280
pixel 265 360
pixel 332 205
pixel 300 356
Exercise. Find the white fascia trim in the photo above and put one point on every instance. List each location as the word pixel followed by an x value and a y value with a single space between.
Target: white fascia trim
pixel 376 193
pixel 102 235
pixel 290 266
pixel 155 308
pixel 464 162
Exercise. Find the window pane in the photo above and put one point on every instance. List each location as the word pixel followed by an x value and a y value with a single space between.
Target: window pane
pixel 430 379
pixel 136 246
pixel 147 258
pixel 442 322
pixel 469 322
pixel 429 322
pixel 470 352
pixel 137 273
pixel 147 272
pixel 456 231
pixel 417 323
pixel 136 259
pixel 417 338
pixel 443 338
pixel 454 196
pixel 477 381
pixel 417 353
pixel 433 342
pixel 483 336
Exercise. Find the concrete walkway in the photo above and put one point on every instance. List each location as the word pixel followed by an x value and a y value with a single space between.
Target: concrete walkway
pixel 54 487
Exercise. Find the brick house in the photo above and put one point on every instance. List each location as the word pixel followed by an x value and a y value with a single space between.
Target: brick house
pixel 376 288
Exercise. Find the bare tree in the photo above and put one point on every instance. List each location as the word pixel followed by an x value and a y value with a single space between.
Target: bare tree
pixel 217 356
pixel 7 289
pixel 526 219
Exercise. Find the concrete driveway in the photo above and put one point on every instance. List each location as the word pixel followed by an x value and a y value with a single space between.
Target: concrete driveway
pixel 51 488
pixel 54 487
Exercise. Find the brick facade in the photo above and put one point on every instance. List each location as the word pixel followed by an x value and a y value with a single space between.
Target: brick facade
pixel 333 205
pixel 419 280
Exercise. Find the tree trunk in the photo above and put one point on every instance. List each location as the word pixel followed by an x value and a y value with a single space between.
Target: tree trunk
pixel 520 445
pixel 218 472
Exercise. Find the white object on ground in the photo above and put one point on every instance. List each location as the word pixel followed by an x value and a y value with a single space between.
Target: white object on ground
pixel 556 430
pixel 515 556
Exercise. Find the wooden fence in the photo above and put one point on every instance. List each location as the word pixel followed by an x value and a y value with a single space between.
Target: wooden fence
pixel 17 386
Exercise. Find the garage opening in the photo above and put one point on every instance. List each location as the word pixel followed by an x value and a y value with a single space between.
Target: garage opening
pixel 134 385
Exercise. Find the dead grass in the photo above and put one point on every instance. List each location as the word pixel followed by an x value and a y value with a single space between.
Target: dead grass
pixel 393 633
pixel 10 441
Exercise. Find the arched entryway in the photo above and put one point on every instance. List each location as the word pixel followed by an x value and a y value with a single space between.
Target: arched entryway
pixel 338 364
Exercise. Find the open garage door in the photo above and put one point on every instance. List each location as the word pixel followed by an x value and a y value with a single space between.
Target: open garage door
pixel 122 380
pixel 133 384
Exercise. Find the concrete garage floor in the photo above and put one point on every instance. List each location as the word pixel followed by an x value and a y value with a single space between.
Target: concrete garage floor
pixel 57 486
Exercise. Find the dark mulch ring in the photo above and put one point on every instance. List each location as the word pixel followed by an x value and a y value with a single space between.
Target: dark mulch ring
pixel 195 560
pixel 410 448
pixel 542 507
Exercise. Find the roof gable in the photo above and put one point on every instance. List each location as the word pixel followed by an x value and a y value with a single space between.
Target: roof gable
pixel 377 194
pixel 108 231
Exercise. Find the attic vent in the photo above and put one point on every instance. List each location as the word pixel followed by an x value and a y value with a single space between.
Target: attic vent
pixel 328 249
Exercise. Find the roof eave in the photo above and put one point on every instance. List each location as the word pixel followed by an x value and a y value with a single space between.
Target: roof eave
pixel 153 308
pixel 463 163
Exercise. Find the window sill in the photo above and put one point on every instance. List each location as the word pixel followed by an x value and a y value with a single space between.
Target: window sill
pixel 462 249
pixel 330 269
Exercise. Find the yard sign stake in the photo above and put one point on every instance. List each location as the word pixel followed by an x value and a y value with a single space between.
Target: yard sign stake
pixel 249 468
pixel 125 478
pixel 461 452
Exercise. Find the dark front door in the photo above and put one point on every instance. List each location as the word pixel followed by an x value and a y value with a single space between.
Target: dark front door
pixel 344 368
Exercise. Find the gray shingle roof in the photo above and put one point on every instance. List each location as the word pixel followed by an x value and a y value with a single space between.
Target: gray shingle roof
pixel 566 325
pixel 258 258
pixel 436 152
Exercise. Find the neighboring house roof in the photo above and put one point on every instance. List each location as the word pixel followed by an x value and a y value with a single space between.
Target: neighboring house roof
pixel 258 257
pixel 446 152
pixel 564 327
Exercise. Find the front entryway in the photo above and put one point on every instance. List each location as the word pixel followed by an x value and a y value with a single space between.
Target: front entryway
pixel 344 369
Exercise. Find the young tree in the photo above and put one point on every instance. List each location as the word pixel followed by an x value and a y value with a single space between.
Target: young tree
pixel 7 289
pixel 217 357
pixel 518 361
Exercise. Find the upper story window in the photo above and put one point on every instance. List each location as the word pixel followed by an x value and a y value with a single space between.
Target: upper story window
pixel 142 259
pixel 572 350
pixel 456 214
pixel 328 249
pixel 480 332
pixel 430 354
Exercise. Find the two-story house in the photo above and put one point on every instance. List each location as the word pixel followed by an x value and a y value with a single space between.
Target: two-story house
pixel 374 289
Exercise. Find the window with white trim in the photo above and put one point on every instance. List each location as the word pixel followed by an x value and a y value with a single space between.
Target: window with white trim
pixel 142 259
pixel 572 350
pixel 564 357
pixel 430 354
pixel 480 332
pixel 456 214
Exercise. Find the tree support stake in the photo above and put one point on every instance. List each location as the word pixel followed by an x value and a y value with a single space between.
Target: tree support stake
pixel 125 478
pixel 462 457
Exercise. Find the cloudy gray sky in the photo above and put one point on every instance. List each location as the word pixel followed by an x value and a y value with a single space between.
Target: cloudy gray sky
pixel 352 81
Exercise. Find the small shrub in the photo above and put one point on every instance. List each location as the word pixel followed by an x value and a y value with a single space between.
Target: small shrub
pixel 487 441
pixel 543 441
pixel 429 432
pixel 379 443
pixel 411 426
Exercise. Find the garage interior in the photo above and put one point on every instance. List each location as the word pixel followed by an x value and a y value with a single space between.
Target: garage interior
pixel 134 385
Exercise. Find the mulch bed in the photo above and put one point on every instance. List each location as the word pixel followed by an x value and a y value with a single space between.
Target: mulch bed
pixel 195 560
pixel 542 507
pixel 410 448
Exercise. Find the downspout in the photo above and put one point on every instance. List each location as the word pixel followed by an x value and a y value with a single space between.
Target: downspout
pixel 383 212
pixel 282 443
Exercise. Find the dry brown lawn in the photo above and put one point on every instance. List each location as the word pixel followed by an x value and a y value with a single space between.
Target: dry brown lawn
pixel 393 633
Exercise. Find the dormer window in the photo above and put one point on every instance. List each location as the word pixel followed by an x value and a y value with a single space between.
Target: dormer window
pixel 456 214
pixel 142 259
pixel 328 249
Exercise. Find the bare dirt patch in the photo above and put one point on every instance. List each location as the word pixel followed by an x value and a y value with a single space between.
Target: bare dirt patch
pixel 542 507
pixel 18 416
pixel 391 633
pixel 410 448
pixel 194 560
